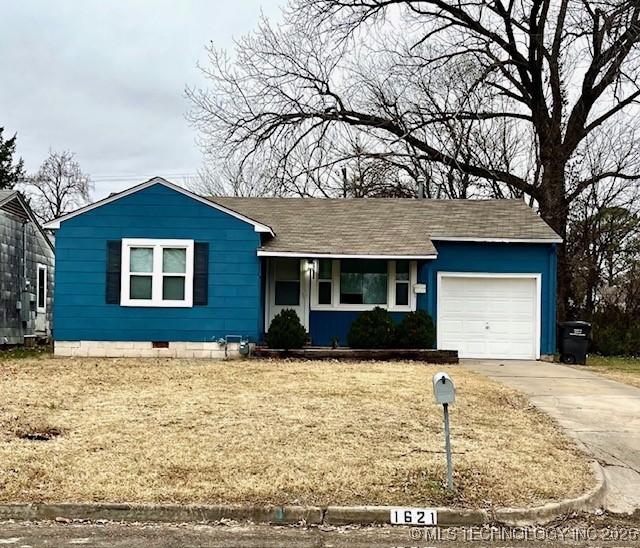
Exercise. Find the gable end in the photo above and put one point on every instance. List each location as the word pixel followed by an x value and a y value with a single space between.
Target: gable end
pixel 258 227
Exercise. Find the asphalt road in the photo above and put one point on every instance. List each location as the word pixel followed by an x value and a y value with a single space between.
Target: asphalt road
pixel 595 531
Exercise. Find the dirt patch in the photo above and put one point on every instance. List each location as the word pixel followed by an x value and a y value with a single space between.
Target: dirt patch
pixel 30 426
pixel 38 433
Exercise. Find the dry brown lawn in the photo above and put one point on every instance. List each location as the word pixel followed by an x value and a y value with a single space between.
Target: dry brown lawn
pixel 618 368
pixel 279 432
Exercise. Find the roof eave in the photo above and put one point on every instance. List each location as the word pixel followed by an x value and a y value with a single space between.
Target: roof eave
pixel 557 240
pixel 315 255
pixel 25 206
pixel 8 198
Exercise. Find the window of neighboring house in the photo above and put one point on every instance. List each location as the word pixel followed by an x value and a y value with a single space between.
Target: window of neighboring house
pixel 325 281
pixel 41 289
pixel 287 282
pixel 363 281
pixel 157 273
pixel 402 283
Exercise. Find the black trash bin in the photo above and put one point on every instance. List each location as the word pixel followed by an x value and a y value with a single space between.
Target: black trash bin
pixel 573 342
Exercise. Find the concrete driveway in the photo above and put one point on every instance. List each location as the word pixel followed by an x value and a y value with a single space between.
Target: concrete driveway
pixel 602 415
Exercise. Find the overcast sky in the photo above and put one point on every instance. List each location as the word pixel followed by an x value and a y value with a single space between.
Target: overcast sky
pixel 106 79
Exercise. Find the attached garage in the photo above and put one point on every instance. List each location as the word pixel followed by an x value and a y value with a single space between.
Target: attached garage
pixel 489 315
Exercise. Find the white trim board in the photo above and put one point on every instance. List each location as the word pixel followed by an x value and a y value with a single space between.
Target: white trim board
pixel 497 240
pixel 303 255
pixel 55 223
pixel 535 276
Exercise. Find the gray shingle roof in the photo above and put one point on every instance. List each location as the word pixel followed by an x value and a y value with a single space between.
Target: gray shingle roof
pixel 380 226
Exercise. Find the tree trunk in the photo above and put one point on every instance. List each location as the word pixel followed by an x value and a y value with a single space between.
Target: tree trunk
pixel 554 209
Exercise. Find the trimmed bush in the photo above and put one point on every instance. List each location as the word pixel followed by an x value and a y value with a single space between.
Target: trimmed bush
pixel 372 329
pixel 286 331
pixel 416 330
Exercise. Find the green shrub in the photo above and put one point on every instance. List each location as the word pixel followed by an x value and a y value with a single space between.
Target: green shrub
pixel 286 331
pixel 616 332
pixel 416 330
pixel 609 340
pixel 372 329
pixel 632 341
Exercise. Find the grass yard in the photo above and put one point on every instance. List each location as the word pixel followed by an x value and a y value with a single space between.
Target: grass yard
pixel 129 430
pixel 22 352
pixel 621 369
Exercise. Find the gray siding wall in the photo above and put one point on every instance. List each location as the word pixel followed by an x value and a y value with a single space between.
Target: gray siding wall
pixel 14 288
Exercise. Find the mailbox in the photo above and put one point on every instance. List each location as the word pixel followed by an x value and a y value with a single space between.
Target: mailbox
pixel 443 389
pixel 445 394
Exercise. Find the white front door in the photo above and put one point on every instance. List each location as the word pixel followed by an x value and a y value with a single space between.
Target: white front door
pixel 490 316
pixel 287 288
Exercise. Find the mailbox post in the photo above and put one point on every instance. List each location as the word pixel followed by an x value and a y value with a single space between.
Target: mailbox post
pixel 445 393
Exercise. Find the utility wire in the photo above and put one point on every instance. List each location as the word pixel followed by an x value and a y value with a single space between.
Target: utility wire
pixel 116 178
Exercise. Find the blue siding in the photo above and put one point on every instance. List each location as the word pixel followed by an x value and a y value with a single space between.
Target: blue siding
pixel 156 212
pixel 464 257
pixel 325 325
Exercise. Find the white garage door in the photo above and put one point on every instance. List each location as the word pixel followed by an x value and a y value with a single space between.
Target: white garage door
pixel 488 317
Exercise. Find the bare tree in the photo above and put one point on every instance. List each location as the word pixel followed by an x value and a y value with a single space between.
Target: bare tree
pixel 224 178
pixel 604 244
pixel 528 84
pixel 58 187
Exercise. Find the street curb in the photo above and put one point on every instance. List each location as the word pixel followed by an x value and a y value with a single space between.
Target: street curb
pixel 310 515
pixel 548 512
pixel 162 512
pixel 345 515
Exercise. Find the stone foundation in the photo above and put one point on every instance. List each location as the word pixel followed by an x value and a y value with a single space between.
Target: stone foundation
pixel 145 349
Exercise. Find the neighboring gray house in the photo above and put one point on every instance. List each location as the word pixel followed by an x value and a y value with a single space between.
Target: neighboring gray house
pixel 26 272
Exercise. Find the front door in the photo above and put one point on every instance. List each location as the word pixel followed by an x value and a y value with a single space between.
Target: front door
pixel 287 288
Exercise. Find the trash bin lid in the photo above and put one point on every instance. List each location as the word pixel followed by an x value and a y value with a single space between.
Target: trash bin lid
pixel 575 323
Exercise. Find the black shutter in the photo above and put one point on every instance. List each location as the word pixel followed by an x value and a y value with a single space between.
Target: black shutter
pixel 200 273
pixel 114 260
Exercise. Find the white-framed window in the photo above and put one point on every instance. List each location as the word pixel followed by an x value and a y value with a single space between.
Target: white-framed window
pixel 157 273
pixel 400 286
pixel 363 284
pixel 325 282
pixel 287 282
pixel 41 289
